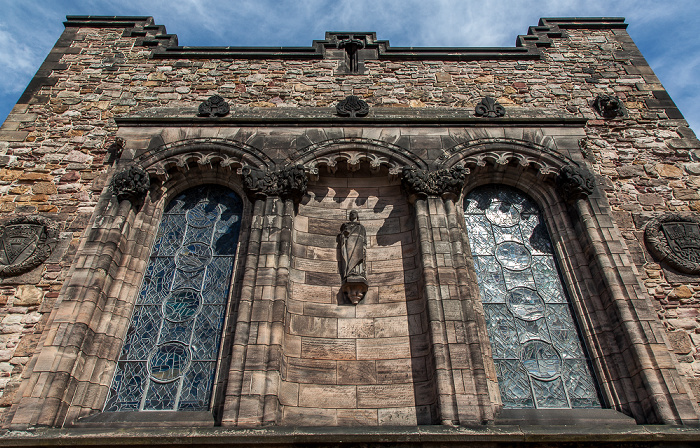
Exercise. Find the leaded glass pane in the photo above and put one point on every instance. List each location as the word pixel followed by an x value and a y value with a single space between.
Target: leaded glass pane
pixel 169 355
pixel 539 359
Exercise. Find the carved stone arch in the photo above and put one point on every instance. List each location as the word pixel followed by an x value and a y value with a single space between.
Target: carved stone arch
pixel 353 151
pixel 181 156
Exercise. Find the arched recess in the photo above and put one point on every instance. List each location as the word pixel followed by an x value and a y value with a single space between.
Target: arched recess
pixel 87 327
pixel 608 299
pixel 353 151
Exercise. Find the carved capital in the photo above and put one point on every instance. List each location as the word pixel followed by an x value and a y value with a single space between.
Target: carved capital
pixel 287 183
pixel 675 239
pixel 609 106
pixel 488 107
pixel 352 106
pixel 214 106
pixel 131 183
pixel 575 182
pixel 434 183
pixel 25 243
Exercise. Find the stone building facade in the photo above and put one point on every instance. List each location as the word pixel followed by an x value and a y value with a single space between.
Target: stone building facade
pixel 458 245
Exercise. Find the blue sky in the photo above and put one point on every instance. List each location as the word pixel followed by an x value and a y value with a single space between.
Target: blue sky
pixel 665 31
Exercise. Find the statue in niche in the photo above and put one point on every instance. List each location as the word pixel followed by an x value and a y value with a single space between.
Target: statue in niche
pixel 353 243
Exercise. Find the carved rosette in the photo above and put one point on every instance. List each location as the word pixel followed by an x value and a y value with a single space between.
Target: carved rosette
pixel 287 183
pixel 489 108
pixel 352 106
pixel 131 183
pixel 25 243
pixel 434 183
pixel 575 182
pixel 215 106
pixel 675 239
pixel 609 106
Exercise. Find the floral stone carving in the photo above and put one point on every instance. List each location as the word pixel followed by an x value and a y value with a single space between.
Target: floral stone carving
pixel 288 182
pixel 609 106
pixel 675 239
pixel 25 243
pixel 575 182
pixel 215 106
pixel 435 183
pixel 488 107
pixel 131 183
pixel 352 106
pixel 353 244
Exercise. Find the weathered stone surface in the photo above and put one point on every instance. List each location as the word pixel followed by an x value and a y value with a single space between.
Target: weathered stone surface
pixel 27 295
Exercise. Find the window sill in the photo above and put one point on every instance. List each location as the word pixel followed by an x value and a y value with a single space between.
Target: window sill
pixel 557 417
pixel 147 419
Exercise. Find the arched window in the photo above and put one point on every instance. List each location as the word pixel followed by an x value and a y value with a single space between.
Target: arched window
pixel 171 348
pixel 539 358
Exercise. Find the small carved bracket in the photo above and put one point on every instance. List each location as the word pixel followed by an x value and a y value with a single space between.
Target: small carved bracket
pixel 131 183
pixel 675 239
pixel 609 106
pixel 489 108
pixel 434 183
pixel 287 183
pixel 215 106
pixel 25 243
pixel 352 106
pixel 575 182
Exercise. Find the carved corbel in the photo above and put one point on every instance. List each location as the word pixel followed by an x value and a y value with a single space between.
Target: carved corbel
pixel 434 183
pixel 287 183
pixel 575 182
pixel 131 183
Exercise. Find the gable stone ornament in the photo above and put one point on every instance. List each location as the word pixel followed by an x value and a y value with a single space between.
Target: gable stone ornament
pixel 434 183
pixel 575 182
pixel 675 239
pixel 609 106
pixel 131 183
pixel 25 243
pixel 352 107
pixel 214 106
pixel 489 108
pixel 288 182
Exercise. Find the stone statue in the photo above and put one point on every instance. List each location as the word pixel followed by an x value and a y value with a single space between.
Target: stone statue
pixel 353 242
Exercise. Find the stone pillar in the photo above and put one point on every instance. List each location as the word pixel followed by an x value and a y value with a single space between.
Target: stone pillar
pixel 462 382
pixel 252 395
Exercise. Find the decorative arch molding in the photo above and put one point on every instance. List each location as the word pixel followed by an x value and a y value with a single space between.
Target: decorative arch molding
pixel 183 154
pixel 353 151
pixel 501 152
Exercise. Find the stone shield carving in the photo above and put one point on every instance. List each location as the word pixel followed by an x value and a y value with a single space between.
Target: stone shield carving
pixel 25 243
pixel 675 239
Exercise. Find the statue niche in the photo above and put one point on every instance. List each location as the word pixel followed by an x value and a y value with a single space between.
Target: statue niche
pixel 353 242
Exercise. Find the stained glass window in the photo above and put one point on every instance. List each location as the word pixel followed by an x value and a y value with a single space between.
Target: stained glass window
pixel 540 361
pixel 169 356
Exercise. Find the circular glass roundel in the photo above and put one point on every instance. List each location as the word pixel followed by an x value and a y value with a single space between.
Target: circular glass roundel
pixel 502 214
pixel 202 215
pixel 168 362
pixel 525 304
pixel 512 255
pixel 540 359
pixel 182 305
pixel 193 257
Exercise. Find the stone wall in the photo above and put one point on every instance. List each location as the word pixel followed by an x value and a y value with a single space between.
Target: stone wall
pixel 55 152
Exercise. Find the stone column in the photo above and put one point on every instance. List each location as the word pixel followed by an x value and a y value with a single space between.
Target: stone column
pixel 462 385
pixel 254 377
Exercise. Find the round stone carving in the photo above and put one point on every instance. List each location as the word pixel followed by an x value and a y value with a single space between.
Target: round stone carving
pixel 540 359
pixel 202 215
pixel 193 257
pixel 513 255
pixel 675 239
pixel 183 304
pixel 502 214
pixel 525 304
pixel 169 361
pixel 25 243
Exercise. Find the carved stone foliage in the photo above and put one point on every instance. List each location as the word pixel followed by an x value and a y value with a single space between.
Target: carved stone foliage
pixel 215 106
pixel 25 243
pixel 352 106
pixel 287 183
pixel 131 183
pixel 575 182
pixel 488 107
pixel 435 183
pixel 675 239
pixel 609 106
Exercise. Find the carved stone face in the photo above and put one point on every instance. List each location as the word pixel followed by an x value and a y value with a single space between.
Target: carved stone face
pixel 354 215
pixel 354 292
